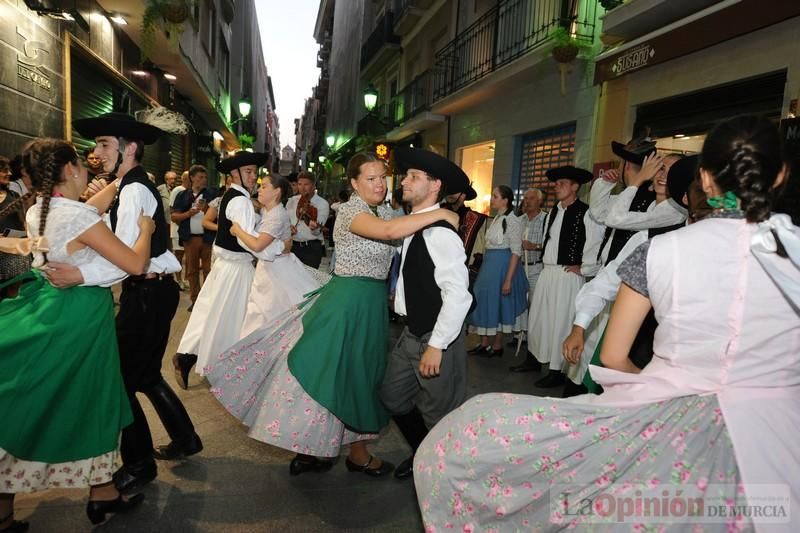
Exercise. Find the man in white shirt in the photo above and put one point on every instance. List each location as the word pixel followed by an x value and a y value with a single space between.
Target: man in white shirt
pixel 307 238
pixel 572 238
pixel 426 373
pixel 148 302
pixel 177 247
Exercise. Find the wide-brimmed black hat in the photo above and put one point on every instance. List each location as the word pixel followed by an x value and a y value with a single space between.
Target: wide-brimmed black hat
pixel 453 178
pixel 117 125
pixel 471 193
pixel 635 150
pixel 578 175
pixel 242 159
pixel 681 174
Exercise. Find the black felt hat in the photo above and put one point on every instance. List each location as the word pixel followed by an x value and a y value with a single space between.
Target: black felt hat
pixel 681 174
pixel 569 172
pixel 453 178
pixel 635 150
pixel 242 159
pixel 471 193
pixel 117 125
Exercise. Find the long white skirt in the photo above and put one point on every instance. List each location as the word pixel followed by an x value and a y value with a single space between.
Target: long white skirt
pixel 277 286
pixel 219 311
pixel 552 311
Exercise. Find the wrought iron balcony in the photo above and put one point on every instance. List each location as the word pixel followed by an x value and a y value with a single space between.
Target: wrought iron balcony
pixel 413 99
pixel 508 31
pixel 381 41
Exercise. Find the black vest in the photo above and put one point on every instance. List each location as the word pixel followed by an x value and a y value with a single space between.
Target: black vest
pixel 423 296
pixel 224 238
pixel 619 237
pixel 572 236
pixel 160 237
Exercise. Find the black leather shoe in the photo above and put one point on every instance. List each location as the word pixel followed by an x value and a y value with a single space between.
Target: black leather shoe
pixel 478 350
pixel 97 510
pixel 182 363
pixel 177 450
pixel 130 479
pixel 530 364
pixel 405 469
pixel 491 352
pixel 300 465
pixel 379 471
pixel 552 379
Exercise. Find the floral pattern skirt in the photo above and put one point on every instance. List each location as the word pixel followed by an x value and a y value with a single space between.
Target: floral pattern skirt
pixel 17 475
pixel 505 462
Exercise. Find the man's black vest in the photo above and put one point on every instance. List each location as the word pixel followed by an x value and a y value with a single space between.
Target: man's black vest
pixel 619 237
pixel 160 237
pixel 224 238
pixel 423 296
pixel 572 236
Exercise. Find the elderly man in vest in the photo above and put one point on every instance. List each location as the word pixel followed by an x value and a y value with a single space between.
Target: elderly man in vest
pixel 426 376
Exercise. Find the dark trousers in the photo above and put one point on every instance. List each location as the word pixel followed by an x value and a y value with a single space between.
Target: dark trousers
pixel 198 258
pixel 146 308
pixel 308 252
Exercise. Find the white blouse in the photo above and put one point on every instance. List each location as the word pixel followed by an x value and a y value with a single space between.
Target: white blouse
pixel 497 239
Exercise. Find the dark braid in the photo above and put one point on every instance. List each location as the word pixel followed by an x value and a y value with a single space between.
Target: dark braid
pixel 44 160
pixel 17 204
pixel 744 154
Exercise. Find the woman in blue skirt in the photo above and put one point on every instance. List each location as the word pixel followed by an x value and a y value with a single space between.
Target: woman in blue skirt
pixel 501 290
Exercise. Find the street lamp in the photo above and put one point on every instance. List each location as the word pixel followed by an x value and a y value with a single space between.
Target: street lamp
pixel 244 108
pixel 321 158
pixel 330 140
pixel 370 97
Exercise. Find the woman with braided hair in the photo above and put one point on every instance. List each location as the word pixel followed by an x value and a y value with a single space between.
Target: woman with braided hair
pixel 12 214
pixel 62 401
pixel 710 423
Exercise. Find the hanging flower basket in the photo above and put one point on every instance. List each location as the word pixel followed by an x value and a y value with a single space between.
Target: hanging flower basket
pixel 565 54
pixel 175 11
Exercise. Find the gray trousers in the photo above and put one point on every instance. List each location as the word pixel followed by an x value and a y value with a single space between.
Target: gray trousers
pixel 403 387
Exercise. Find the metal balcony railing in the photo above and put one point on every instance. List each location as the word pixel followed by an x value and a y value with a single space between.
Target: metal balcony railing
pixel 508 31
pixel 382 35
pixel 413 99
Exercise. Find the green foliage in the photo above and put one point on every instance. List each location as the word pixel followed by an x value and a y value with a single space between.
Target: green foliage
pixel 246 141
pixel 156 16
pixel 561 37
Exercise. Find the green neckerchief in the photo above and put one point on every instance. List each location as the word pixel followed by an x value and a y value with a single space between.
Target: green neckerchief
pixel 727 201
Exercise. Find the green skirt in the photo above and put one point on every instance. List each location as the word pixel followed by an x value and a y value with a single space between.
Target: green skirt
pixel 61 392
pixel 588 382
pixel 341 357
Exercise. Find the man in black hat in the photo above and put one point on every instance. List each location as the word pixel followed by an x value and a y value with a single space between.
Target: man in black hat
pixel 571 240
pixel 220 308
pixel 147 303
pixel 602 290
pixel 426 375
pixel 471 228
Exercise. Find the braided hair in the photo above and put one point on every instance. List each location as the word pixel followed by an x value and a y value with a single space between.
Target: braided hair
pixel 744 154
pixel 44 160
pixel 18 204
pixel 506 192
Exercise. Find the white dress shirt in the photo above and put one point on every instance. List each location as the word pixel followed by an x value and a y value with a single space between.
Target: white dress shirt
pixel 240 210
pixel 658 215
pixel 304 233
pixel 134 199
pixel 450 273
pixel 594 237
pixel 511 238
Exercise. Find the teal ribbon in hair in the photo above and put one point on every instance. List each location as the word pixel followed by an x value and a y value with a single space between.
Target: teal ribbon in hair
pixel 727 201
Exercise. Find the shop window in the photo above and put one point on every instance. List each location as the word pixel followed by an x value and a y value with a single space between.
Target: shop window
pixel 478 162
pixel 681 143
pixel 539 152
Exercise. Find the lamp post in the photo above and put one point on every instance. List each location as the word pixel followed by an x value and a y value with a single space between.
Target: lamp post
pixel 330 140
pixel 370 97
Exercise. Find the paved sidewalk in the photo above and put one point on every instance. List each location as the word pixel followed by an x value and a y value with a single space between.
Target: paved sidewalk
pixel 237 484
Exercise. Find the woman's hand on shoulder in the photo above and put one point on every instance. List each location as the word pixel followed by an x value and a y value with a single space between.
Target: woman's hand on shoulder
pixel 146 224
pixel 451 217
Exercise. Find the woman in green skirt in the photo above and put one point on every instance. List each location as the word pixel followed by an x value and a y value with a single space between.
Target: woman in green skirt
pixel 309 381
pixel 62 401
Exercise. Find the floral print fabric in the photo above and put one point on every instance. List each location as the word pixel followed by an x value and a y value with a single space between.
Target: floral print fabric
pixel 28 476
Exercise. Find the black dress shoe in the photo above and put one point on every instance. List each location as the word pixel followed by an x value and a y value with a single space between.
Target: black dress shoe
pixel 97 510
pixel 301 464
pixel 379 471
pixel 491 352
pixel 182 363
pixel 530 364
pixel 478 350
pixel 405 469
pixel 130 479
pixel 179 450
pixel 552 379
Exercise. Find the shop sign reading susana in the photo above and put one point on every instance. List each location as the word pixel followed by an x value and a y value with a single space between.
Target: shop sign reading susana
pixel 637 57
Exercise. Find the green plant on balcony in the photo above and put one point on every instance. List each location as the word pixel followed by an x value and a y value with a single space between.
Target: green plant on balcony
pixel 246 141
pixel 167 15
pixel 565 46
pixel 608 5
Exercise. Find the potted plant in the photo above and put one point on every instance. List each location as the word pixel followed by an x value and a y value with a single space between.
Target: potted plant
pixel 566 47
pixel 246 141
pixel 608 5
pixel 167 15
